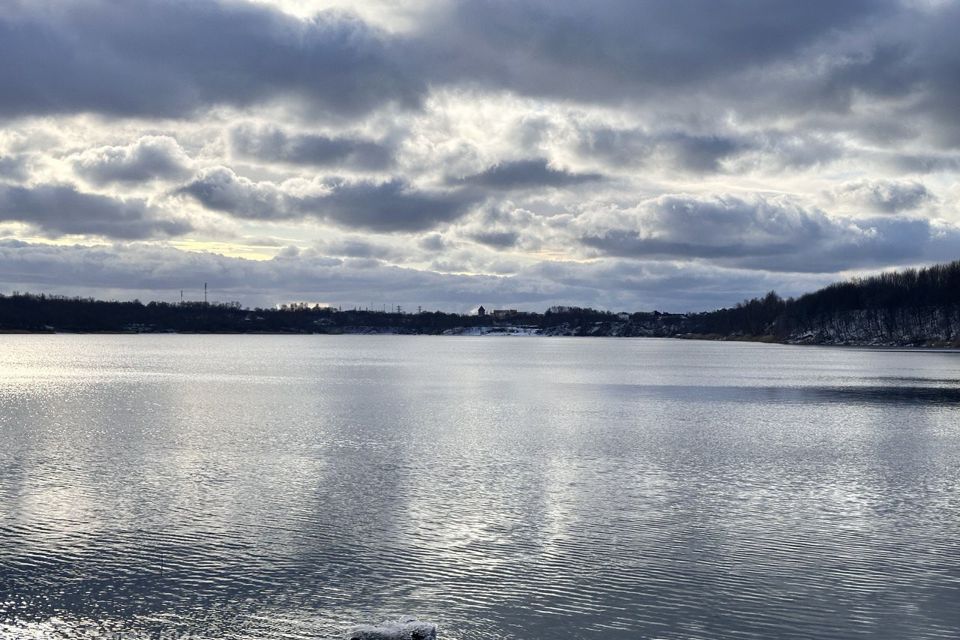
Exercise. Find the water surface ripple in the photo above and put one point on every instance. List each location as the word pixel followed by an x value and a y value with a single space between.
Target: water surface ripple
pixel 266 487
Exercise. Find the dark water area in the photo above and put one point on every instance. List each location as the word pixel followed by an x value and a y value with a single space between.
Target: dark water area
pixel 266 487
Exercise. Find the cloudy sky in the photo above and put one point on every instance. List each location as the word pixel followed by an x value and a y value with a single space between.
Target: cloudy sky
pixel 665 154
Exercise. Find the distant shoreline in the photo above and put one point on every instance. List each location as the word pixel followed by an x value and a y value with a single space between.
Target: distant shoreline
pixel 770 340
pixel 911 308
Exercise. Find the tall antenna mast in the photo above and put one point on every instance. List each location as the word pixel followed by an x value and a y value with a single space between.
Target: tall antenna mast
pixel 204 293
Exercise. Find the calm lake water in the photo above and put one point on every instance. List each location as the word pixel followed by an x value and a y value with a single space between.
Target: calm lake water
pixel 289 487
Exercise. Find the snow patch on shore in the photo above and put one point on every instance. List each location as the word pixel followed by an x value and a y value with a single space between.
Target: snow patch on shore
pixel 493 331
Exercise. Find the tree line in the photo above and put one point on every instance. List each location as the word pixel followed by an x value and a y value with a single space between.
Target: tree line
pixel 937 286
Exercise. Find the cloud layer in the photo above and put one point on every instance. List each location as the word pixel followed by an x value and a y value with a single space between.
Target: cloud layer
pixel 60 210
pixel 172 58
pixel 393 205
pixel 149 158
pixel 456 152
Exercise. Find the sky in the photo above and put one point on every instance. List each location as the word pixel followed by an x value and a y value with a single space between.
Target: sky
pixel 677 155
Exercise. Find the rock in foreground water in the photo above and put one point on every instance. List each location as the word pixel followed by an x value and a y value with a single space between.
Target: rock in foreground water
pixel 406 628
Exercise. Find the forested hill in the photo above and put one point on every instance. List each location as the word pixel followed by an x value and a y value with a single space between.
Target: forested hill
pixel 913 306
pixel 910 307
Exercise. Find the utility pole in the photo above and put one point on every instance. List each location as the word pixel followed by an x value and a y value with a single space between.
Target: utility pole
pixel 204 293
pixel 181 297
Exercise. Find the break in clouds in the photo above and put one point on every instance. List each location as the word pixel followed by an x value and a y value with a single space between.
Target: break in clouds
pixel 615 154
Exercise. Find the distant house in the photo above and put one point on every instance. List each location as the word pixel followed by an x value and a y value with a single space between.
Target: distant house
pixel 481 311
pixel 503 314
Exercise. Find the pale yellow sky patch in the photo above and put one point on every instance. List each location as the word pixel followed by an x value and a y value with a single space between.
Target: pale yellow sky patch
pixel 229 249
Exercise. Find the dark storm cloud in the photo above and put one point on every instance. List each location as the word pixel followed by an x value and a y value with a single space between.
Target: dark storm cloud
pixel 934 66
pixel 701 153
pixel 884 71
pixel 173 57
pixel 432 242
pixel 13 167
pixel 359 248
pixel 388 206
pixel 904 64
pixel 773 150
pixel 271 144
pixel 525 174
pixel 61 209
pixel 496 239
pixel 220 189
pixel 868 244
pixel 626 48
pixel 686 151
pixel 768 233
pixel 756 59
pixel 150 158
pixel 924 163
pixel 884 196
pixel 789 150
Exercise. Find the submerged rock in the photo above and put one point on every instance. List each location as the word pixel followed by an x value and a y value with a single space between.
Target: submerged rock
pixel 406 628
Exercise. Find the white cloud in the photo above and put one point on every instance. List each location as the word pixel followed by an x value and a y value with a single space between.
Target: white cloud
pixel 149 158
